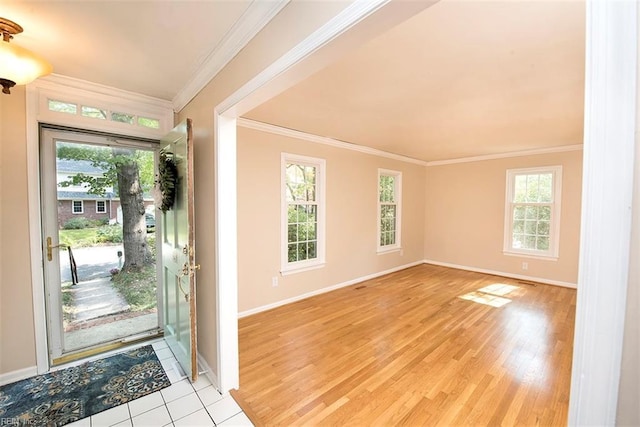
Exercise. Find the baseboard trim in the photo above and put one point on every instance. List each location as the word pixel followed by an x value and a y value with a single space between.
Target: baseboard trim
pixel 325 290
pixel 503 274
pixel 20 374
pixel 206 370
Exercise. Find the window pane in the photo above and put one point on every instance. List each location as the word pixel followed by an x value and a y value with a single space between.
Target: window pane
pixel 312 213
pixel 94 113
pixel 302 232
pixel 518 227
pixel 300 182
pixel 149 123
pixel 546 187
pixel 544 213
pixel 518 241
pixel 532 188
pixel 292 252
pixel 543 228
pixel 312 250
pixel 518 212
pixel 530 227
pixel 310 175
pixel 387 188
pixel 122 118
pixel 63 107
pixel 530 242
pixel 312 231
pixel 302 251
pixel 292 233
pixel 520 189
pixel 543 243
pixel 531 212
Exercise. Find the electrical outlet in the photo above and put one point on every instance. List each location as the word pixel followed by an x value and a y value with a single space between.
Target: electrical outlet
pixel 274 281
pixel 525 265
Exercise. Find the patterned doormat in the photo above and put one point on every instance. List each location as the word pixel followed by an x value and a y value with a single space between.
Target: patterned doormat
pixel 64 396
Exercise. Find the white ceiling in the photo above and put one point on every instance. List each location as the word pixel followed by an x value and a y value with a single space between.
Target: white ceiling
pixel 460 79
pixel 148 47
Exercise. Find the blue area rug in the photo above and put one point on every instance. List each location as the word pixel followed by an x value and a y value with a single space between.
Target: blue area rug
pixel 68 395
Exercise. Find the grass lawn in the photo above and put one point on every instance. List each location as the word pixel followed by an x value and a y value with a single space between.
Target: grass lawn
pixel 79 238
pixel 138 288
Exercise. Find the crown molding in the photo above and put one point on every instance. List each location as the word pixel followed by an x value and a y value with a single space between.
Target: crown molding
pixel 291 133
pixel 257 15
pixel 560 149
pixel 60 82
pixel 279 130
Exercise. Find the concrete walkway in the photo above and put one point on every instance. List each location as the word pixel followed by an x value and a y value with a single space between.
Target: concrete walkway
pixel 92 262
pixel 111 331
pixel 95 298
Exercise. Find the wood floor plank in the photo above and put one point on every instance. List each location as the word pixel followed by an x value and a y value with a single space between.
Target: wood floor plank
pixel 424 346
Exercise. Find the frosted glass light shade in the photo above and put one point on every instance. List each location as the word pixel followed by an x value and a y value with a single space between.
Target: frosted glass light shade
pixel 20 65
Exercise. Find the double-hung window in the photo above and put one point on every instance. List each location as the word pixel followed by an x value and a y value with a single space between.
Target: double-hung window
pixel 303 207
pixel 77 206
pixel 389 209
pixel 532 212
pixel 101 206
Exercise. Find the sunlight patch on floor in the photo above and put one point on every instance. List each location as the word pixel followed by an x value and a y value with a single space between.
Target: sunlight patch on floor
pixel 492 295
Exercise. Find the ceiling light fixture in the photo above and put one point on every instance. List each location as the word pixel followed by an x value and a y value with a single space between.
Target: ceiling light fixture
pixel 18 66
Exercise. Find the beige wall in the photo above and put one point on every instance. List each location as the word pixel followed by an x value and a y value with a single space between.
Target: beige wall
pixel 17 341
pixel 464 221
pixel 351 217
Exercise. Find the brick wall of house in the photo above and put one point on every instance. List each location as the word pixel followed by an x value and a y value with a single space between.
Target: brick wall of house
pixel 65 211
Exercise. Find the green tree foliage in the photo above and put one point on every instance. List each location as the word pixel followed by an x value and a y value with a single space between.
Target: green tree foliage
pixel 129 173
pixel 107 160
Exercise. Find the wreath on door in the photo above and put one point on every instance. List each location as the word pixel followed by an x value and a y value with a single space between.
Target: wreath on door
pixel 167 182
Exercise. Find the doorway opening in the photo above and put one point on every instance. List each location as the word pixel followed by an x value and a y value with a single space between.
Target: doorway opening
pixel 99 237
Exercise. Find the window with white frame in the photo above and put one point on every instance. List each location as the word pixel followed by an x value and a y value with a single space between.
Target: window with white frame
pixel 101 206
pixel 532 212
pixel 303 182
pixel 77 206
pixel 389 209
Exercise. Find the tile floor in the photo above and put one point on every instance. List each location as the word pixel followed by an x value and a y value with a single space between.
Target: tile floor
pixel 181 404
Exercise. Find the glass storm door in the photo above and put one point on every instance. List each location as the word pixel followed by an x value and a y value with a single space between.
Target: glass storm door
pixel 101 278
pixel 178 246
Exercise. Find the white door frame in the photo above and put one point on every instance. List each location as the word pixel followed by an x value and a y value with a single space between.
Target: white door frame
pixel 83 93
pixel 606 225
pixel 254 92
pixel 608 165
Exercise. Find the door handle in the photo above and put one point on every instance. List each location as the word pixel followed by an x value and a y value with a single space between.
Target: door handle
pixel 188 271
pixel 50 247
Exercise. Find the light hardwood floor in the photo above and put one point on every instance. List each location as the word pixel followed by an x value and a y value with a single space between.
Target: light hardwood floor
pixel 405 349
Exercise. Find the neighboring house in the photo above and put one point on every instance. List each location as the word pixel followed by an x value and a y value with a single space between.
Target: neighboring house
pixel 76 201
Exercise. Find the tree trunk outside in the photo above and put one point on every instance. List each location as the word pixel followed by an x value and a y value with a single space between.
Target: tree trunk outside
pixel 134 228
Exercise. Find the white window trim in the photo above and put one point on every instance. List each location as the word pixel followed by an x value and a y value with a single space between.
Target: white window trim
pixel 554 231
pixel 73 208
pixel 104 202
pixel 287 267
pixel 397 246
